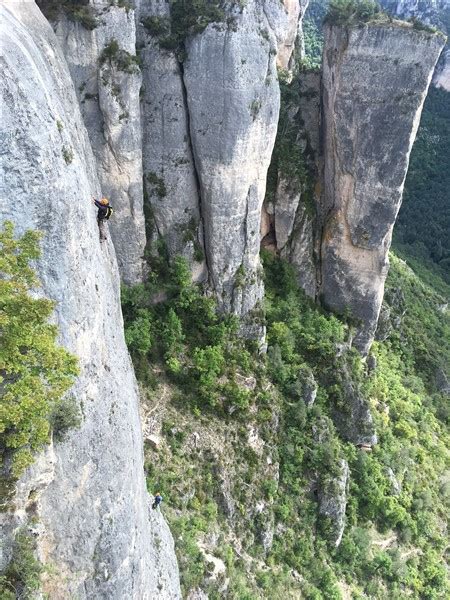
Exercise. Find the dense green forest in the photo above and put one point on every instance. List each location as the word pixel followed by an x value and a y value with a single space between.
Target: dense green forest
pixel 423 228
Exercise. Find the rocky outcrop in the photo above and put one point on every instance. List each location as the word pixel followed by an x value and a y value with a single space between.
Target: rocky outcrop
pixel 375 80
pixel 88 491
pixel 431 12
pixel 333 502
pixel 108 84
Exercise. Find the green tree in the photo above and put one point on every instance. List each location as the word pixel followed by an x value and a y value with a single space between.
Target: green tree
pixel 35 372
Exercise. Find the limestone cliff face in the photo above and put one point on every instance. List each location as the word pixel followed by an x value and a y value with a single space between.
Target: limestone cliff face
pixel 210 119
pixel 170 178
pixel 108 92
pixel 87 492
pixel 431 12
pixel 375 80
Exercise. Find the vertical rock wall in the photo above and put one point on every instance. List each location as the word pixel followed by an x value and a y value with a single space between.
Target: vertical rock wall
pixel 210 115
pixel 108 93
pixel 375 79
pixel 170 178
pixel 87 492
pixel 233 104
pixel 431 12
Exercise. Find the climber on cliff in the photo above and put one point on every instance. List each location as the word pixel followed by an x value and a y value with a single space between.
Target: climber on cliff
pixel 104 213
pixel 157 501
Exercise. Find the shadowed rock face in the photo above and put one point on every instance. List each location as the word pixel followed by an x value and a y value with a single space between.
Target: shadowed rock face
pixel 295 204
pixel 87 492
pixel 109 101
pixel 375 79
pixel 170 177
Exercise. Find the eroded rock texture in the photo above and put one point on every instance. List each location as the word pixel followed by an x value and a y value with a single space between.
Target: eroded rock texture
pixel 333 501
pixel 375 80
pixel 431 12
pixel 210 111
pixel 108 89
pixel 87 492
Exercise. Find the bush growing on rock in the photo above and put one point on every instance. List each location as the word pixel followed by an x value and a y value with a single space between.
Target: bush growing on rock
pixel 35 372
pixel 22 577
pixel 353 12
pixel 78 11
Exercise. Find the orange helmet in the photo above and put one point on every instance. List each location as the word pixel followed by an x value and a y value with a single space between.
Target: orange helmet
pixel 104 201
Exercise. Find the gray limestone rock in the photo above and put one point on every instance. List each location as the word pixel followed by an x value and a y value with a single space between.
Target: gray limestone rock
pixel 371 363
pixel 431 12
pixel 354 421
pixel 285 18
pixel 309 390
pixel 375 79
pixel 109 99
pixel 300 251
pixel 233 103
pixel 170 178
pixel 396 488
pixel 333 501
pixel 88 491
pixel 442 382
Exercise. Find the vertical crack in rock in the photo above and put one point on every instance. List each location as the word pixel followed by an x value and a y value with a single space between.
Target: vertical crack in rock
pixel 196 175
pixel 233 103
pixel 171 180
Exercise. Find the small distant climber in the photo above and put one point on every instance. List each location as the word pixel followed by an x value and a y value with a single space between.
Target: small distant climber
pixel 104 213
pixel 157 501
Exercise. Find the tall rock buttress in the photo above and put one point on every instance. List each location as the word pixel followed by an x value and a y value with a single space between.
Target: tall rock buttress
pixel 87 492
pixel 210 119
pixel 107 78
pixel 375 79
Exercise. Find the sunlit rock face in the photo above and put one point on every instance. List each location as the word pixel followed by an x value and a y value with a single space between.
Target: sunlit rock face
pixel 108 91
pixel 87 492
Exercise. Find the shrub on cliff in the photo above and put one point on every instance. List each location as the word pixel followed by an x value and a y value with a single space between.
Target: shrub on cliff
pixel 187 17
pixel 353 12
pixel 198 347
pixel 78 11
pixel 35 372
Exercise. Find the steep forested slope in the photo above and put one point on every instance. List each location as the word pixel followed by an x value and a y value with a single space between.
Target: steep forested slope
pixel 249 454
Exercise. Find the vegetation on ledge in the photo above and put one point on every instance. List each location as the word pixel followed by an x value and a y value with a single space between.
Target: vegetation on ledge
pixel 78 11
